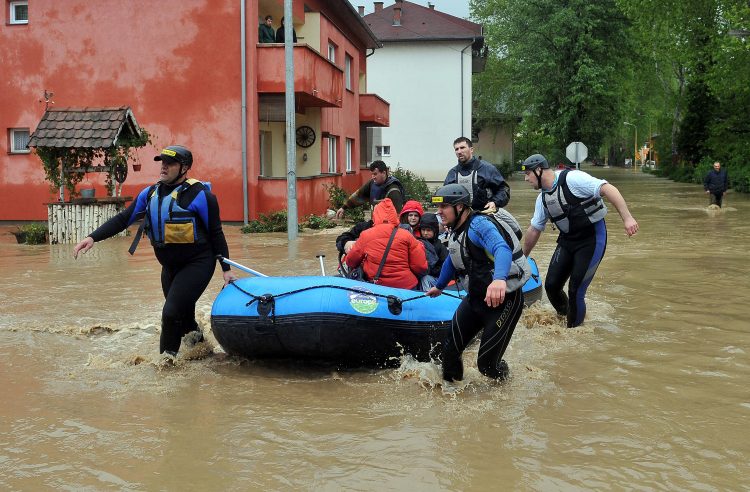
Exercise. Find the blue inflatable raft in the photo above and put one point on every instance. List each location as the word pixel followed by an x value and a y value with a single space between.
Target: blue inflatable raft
pixel 335 319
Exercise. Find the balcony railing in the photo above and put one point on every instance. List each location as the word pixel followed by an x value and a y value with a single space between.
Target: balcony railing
pixel 317 81
pixel 374 110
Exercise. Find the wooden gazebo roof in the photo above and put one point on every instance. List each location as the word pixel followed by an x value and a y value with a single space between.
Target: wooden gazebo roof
pixel 84 127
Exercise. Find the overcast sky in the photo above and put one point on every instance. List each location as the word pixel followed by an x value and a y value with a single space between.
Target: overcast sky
pixel 459 8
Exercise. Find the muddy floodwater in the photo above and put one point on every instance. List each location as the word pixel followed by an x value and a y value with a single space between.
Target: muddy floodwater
pixel 651 393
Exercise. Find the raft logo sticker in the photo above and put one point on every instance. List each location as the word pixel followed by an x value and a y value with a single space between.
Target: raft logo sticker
pixel 362 301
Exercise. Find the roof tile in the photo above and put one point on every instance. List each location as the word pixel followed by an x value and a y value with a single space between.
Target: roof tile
pixel 79 127
pixel 420 23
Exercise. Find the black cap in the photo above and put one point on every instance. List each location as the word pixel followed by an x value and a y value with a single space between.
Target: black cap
pixel 176 153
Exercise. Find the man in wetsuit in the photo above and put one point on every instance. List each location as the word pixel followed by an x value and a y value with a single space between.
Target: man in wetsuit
pixel 572 200
pixel 181 218
pixel 487 187
pixel 490 260
pixel 374 191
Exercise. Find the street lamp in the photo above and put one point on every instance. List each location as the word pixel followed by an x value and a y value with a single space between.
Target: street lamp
pixel 635 142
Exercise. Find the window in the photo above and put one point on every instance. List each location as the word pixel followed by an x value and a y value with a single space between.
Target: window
pixel 383 151
pixel 266 147
pixel 332 145
pixel 348 71
pixel 349 154
pixel 19 139
pixel 19 12
pixel 332 52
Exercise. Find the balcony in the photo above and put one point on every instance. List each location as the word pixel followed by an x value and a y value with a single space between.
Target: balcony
pixel 373 110
pixel 317 81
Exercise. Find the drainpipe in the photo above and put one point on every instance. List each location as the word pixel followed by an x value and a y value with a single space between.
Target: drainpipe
pixel 462 86
pixel 243 63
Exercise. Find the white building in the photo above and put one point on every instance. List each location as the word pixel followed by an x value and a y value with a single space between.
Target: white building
pixel 424 70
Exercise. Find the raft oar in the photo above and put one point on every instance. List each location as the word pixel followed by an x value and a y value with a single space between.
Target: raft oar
pixel 239 266
pixel 320 256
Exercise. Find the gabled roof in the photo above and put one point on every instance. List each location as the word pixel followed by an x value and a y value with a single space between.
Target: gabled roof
pixel 359 25
pixel 84 127
pixel 420 23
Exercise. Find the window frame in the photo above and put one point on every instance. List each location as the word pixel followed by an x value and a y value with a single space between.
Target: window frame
pixel 332 154
pixel 12 20
pixel 332 51
pixel 349 154
pixel 11 141
pixel 380 150
pixel 348 64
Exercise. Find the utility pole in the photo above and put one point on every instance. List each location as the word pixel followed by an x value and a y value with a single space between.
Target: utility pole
pixel 291 125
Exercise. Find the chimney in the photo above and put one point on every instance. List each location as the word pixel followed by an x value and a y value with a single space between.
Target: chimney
pixel 431 5
pixel 397 13
pixel 361 9
pixel 378 6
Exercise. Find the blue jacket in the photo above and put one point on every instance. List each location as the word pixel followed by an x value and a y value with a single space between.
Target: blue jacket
pixel 716 182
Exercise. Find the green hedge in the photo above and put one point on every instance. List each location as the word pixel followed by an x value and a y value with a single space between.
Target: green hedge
pixel 738 173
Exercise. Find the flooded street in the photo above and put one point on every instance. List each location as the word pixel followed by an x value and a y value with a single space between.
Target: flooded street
pixel 650 393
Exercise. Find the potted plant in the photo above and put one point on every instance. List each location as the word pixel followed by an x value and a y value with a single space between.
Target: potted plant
pixel 33 233
pixel 66 167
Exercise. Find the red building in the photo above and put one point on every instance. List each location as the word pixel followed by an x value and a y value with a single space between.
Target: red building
pixel 178 65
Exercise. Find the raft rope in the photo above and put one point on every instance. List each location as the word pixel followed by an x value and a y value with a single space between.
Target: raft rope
pixel 394 302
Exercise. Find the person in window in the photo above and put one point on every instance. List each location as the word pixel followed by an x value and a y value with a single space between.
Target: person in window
pixel 280 33
pixel 405 260
pixel 487 187
pixel 181 218
pixel 265 31
pixel 379 187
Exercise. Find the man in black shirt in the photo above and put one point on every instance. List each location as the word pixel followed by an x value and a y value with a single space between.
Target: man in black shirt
pixel 716 184
pixel 266 33
pixel 181 218
pixel 280 33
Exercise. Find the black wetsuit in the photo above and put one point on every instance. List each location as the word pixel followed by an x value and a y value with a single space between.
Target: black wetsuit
pixel 575 261
pixel 473 314
pixel 186 268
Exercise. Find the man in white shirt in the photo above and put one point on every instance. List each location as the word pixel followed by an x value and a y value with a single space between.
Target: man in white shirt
pixel 572 200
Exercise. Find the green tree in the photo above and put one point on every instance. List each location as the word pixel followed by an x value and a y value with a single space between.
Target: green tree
pixel 559 63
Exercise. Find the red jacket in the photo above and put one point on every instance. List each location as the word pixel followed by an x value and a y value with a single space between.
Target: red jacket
pixel 406 259
pixel 411 206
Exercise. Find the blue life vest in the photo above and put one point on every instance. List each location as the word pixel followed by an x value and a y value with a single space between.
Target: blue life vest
pixel 166 222
pixel 477 264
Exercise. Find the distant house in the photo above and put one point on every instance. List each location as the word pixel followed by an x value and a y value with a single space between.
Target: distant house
pixel 177 64
pixel 424 69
